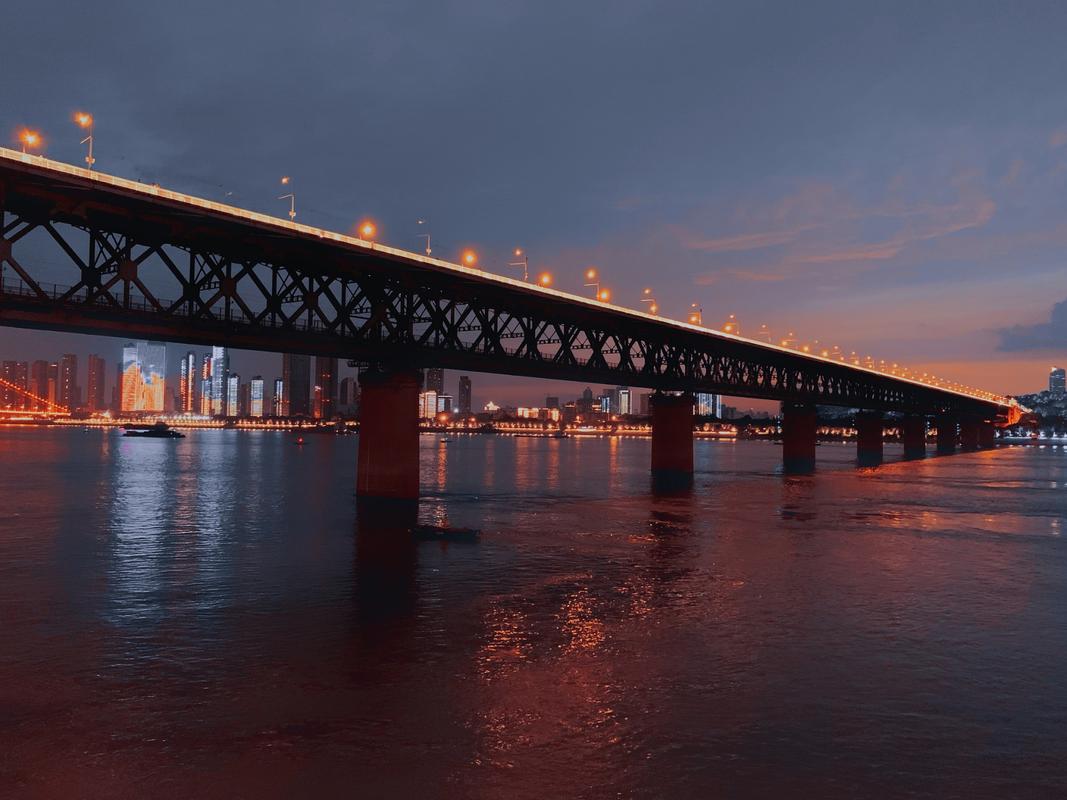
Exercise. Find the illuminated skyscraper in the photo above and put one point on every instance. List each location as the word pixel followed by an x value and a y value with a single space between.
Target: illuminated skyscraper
pixel 97 377
pixel 205 385
pixel 69 395
pixel 707 405
pixel 624 397
pixel 144 365
pixel 435 380
pixel 464 394
pixel 1057 381
pixel 233 394
pixel 220 370
pixel 277 403
pixel 325 387
pixel 255 403
pixel 427 405
pixel 187 384
pixel 17 375
pixel 296 375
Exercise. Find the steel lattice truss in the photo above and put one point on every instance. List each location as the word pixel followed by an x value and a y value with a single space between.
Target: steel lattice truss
pixel 130 266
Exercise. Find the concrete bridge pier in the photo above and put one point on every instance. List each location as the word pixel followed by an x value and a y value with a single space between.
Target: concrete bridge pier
pixel 800 421
pixel 946 434
pixel 869 429
pixel 913 436
pixel 672 440
pixel 388 461
pixel 987 435
pixel 969 433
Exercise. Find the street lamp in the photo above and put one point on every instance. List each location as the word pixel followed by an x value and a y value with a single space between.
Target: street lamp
pixel 764 334
pixel 603 295
pixel 469 258
pixel 545 279
pixel 732 326
pixel 593 280
pixel 291 197
pixel 523 261
pixel 425 236
pixel 696 314
pixel 368 230
pixel 29 139
pixel 646 297
pixel 85 122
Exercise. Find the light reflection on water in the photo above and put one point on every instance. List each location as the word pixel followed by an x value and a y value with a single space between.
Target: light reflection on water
pixel 217 615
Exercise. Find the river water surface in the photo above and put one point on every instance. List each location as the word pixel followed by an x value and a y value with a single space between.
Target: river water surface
pixel 215 617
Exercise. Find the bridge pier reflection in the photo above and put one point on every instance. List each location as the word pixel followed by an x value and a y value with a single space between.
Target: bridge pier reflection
pixel 388 461
pixel 947 435
pixel 800 422
pixel 672 440
pixel 869 429
pixel 913 436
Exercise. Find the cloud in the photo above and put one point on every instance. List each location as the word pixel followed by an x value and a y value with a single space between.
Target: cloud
pixel 1041 336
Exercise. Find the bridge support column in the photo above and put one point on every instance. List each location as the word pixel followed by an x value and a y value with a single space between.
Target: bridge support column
pixel 913 436
pixel 969 434
pixel 946 434
pixel 987 435
pixel 869 438
pixel 800 421
pixel 672 440
pixel 388 461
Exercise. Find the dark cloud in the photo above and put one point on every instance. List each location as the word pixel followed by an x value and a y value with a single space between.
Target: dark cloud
pixel 1042 336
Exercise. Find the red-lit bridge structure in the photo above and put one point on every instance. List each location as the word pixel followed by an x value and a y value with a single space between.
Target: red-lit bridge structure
pixel 134 259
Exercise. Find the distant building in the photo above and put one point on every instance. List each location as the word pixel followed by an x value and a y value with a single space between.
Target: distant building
pixel 707 405
pixel 551 402
pixel 69 391
pixel 296 377
pixel 1057 381
pixel 434 380
pixel 233 395
pixel 623 398
pixel 144 367
pixel 187 383
pixel 444 403
pixel 277 403
pixel 427 404
pixel 255 391
pixel 205 385
pixel 348 397
pixel 95 396
pixel 464 395
pixel 13 394
pixel 220 373
pixel 644 404
pixel 325 397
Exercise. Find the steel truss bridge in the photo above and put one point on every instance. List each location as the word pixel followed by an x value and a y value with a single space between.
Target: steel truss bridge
pixel 137 260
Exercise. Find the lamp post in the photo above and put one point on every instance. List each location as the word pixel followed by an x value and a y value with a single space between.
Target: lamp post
pixel 592 280
pixel 646 297
pixel 291 197
pixel 425 236
pixel 523 261
pixel 367 230
pixel 469 258
pixel 85 122
pixel 545 279
pixel 696 314
pixel 29 139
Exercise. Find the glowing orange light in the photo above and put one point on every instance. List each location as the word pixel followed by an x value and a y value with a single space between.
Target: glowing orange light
pixel 83 119
pixel 653 308
pixel 367 229
pixel 285 180
pixel 470 258
pixel 604 295
pixel 544 279
pixel 590 274
pixel 518 251
pixel 694 318
pixel 30 139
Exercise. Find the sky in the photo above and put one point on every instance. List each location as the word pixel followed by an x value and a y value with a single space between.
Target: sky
pixel 887 177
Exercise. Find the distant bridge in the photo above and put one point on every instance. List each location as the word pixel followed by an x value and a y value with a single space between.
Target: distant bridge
pixel 143 261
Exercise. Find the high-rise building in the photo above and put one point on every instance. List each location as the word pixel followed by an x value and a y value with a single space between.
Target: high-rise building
pixel 296 376
pixel 144 367
pixel 707 405
pixel 348 398
pixel 644 405
pixel 464 394
pixel 255 390
pixel 53 384
pixel 277 402
pixel 435 380
pixel 233 394
pixel 96 380
pixel 427 405
pixel 220 372
pixel 444 403
pixel 205 385
pixel 13 394
pixel 116 390
pixel 244 400
pixel 1057 381
pixel 623 397
pixel 39 383
pixel 551 402
pixel 325 398
pixel 69 395
pixel 187 382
